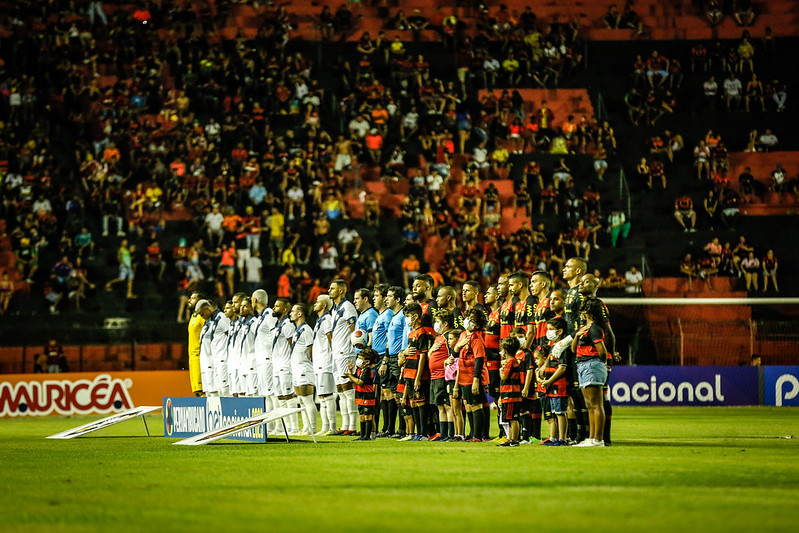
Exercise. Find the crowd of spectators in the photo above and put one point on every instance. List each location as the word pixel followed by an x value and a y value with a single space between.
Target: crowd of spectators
pixel 114 122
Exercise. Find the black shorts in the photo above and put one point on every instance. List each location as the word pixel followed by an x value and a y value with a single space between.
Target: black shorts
pixel 525 406
pixel 473 399
pixel 535 406
pixel 414 395
pixel 391 379
pixel 366 410
pixel 438 392
pixel 510 411
pixel 493 385
pixel 451 387
pixel 545 408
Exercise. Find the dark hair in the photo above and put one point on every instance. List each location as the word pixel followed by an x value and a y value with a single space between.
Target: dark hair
pixel 520 275
pixel 446 316
pixel 340 282
pixel 558 322
pixel 510 345
pixel 478 317
pixel 368 354
pixel 542 273
pixel 593 307
pixel 516 331
pixel 413 309
pixel 399 292
pixel 381 288
pixel 473 284
pixel 303 309
pixel 427 278
pixel 365 294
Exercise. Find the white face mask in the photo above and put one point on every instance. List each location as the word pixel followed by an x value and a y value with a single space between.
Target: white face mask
pixel 467 323
pixel 360 363
pixel 552 335
pixel 437 327
pixel 408 322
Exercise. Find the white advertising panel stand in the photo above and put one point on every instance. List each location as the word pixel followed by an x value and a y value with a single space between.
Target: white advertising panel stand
pixel 108 421
pixel 263 418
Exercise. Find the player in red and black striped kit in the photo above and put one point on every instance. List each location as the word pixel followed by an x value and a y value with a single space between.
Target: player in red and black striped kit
pixel 507 308
pixel 416 373
pixel 525 320
pixel 492 342
pixel 510 389
pixel 361 375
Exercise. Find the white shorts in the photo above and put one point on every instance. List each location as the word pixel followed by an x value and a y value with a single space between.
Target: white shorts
pixel 221 374
pixel 266 380
pixel 284 385
pixel 209 380
pixel 340 368
pixel 251 384
pixel 302 373
pixel 325 384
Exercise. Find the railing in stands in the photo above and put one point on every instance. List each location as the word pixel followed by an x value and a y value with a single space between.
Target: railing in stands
pixel 601 110
pixel 624 193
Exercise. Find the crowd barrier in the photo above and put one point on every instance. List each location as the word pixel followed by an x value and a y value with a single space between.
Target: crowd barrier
pixel 27 395
pixel 87 393
pixel 705 385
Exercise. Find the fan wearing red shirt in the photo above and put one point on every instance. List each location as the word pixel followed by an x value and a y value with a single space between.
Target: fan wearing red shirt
pixel 472 372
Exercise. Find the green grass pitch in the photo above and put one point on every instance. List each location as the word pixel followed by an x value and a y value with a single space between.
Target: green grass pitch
pixel 670 469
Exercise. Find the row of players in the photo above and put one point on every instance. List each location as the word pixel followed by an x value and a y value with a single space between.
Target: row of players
pixel 422 357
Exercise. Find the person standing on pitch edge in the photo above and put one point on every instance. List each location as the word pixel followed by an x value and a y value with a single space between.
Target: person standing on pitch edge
pixel 344 317
pixel 573 272
pixel 196 323
pixel 322 356
pixel 262 346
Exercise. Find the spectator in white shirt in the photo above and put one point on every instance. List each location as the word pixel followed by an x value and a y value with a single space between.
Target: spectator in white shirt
pixel 634 280
pixel 213 221
pixel 732 92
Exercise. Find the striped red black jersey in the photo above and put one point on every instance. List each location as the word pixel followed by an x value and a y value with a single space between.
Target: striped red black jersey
pixel 421 339
pixel 543 313
pixel 493 330
pixel 558 388
pixel 365 392
pixel 586 343
pixel 510 388
pixel 525 313
pixel 507 317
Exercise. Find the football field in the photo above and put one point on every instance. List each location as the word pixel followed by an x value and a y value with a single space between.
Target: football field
pixel 670 469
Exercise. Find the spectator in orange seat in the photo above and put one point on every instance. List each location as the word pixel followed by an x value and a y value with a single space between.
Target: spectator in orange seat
pixel 684 213
pixel 410 269
pixel 6 292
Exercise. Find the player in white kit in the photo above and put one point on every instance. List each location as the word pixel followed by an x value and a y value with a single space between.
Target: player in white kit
pixel 281 361
pixel 302 373
pixel 344 317
pixel 262 348
pixel 246 338
pixel 209 312
pixel 323 364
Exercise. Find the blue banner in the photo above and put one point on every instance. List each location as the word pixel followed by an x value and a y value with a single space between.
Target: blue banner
pixel 781 385
pixel 187 417
pixel 684 385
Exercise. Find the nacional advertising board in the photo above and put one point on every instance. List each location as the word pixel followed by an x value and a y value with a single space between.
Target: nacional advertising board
pixel 781 385
pixel 187 417
pixel 87 393
pixel 684 385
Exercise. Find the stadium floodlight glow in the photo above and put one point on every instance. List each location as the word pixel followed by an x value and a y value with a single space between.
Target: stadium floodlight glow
pixel 108 421
pixel 262 418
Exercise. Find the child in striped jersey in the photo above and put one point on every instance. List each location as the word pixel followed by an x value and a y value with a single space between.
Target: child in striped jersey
pixel 510 389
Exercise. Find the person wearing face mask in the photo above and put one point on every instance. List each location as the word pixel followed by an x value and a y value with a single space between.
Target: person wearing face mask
pixel 436 362
pixel 552 374
pixel 362 375
pixel 472 372
pixel 416 374
pixel 302 372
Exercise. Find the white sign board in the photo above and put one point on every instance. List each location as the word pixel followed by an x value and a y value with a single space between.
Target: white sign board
pixel 227 431
pixel 107 421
